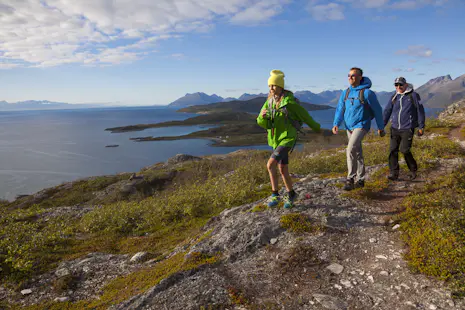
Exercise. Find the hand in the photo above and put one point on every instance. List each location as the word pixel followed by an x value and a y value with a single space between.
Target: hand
pixel 381 133
pixel 420 132
pixel 263 113
pixel 335 130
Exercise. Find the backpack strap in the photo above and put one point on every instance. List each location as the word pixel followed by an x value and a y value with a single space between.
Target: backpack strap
pixel 361 96
pixel 413 99
pixel 347 94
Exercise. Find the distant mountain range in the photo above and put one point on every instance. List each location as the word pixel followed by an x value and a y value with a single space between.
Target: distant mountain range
pixel 45 105
pixel 436 93
pixel 249 106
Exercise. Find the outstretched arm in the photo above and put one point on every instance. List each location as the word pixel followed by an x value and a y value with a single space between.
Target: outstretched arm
pixel 376 108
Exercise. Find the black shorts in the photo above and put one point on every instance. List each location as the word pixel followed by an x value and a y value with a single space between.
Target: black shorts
pixel 281 155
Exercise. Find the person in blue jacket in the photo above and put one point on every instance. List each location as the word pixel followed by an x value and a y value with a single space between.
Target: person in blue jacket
pixel 357 106
pixel 406 113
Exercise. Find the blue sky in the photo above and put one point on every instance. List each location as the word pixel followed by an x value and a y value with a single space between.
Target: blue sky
pixel 145 52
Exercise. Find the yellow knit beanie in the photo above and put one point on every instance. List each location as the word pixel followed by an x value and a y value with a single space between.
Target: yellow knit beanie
pixel 276 78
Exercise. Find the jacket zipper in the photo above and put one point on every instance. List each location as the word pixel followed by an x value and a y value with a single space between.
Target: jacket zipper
pixel 400 111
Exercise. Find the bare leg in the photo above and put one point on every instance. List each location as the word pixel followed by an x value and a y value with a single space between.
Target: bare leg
pixel 271 165
pixel 284 170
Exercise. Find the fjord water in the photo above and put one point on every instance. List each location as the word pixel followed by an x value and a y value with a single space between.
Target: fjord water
pixel 40 149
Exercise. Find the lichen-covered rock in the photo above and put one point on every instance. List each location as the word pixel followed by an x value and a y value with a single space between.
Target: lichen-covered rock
pixel 180 158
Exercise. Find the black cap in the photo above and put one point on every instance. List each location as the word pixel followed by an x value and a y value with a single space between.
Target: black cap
pixel 400 80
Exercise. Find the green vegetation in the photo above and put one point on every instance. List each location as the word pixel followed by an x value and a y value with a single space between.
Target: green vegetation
pixel 433 226
pixel 32 240
pixel 170 205
pixel 135 283
pixel 248 134
pixel 298 223
pixel 208 119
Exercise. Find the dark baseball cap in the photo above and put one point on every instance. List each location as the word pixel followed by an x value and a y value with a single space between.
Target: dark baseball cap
pixel 400 80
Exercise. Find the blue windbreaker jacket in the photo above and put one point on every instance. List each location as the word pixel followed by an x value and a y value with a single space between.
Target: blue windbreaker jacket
pixel 358 115
pixel 404 113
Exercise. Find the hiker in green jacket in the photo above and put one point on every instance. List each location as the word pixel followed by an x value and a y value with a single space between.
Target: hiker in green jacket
pixel 281 116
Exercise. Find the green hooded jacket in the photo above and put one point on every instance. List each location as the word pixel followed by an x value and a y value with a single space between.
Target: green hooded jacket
pixel 281 132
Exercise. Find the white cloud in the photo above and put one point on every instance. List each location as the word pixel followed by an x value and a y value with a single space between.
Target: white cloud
pixel 103 32
pixel 178 56
pixel 414 4
pixel 330 11
pixel 373 4
pixel 405 5
pixel 403 70
pixel 259 12
pixel 8 65
pixel 334 10
pixel 416 51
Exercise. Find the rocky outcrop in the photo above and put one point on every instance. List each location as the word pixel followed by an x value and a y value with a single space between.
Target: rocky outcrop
pixel 180 158
pixel 353 261
pixel 454 111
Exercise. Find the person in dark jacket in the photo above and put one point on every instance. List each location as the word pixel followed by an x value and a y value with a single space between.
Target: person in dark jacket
pixel 406 113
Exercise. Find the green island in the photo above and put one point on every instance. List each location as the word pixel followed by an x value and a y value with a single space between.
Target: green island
pixel 235 125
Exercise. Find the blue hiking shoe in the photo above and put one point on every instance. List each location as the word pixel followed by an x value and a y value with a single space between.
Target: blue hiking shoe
pixel 289 201
pixel 273 201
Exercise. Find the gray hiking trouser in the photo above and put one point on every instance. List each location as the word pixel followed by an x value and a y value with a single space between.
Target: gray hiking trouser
pixel 355 162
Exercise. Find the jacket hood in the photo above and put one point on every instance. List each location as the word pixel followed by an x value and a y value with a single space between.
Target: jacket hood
pixel 364 83
pixel 408 90
pixel 287 95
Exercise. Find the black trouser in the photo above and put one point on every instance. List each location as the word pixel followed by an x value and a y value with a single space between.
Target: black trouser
pixel 401 140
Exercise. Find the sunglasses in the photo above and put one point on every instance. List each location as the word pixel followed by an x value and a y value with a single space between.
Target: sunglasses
pixel 351 75
pixel 398 84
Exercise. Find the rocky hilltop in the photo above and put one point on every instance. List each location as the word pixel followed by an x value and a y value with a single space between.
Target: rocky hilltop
pixel 194 233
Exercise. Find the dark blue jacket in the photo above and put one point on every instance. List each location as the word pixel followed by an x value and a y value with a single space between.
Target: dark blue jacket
pixel 357 115
pixel 404 113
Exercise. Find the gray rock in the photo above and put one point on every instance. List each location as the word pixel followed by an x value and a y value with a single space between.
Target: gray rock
pixel 346 283
pixel 397 226
pixel 62 272
pixel 273 240
pixel 330 302
pixel 240 233
pixel 179 158
pixel 335 268
pixel 140 257
pixel 26 292
pixel 62 299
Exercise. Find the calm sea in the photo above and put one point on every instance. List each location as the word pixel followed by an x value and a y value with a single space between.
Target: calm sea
pixel 40 149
